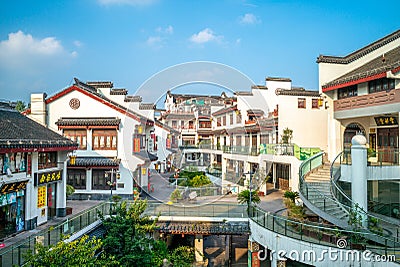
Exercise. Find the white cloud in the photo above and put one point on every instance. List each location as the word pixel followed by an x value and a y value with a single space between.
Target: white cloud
pixel 24 43
pixel 154 40
pixel 126 2
pixel 249 18
pixel 24 52
pixel 167 30
pixel 204 36
pixel 78 43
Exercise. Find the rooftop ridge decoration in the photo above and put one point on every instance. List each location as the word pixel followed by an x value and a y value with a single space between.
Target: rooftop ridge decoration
pixel 374 69
pixel 118 91
pixel 360 52
pixel 133 98
pixel 147 106
pixel 92 92
pixel 100 84
pixel 87 121
pixel 278 79
pixel 297 91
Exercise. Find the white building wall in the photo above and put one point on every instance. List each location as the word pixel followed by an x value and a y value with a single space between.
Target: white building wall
pixel 309 125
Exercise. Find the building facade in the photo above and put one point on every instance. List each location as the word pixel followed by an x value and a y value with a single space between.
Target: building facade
pixel 115 133
pixel 33 172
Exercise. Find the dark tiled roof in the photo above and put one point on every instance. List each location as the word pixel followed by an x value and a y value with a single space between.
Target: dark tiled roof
pixel 94 162
pixel 278 79
pixel 88 122
pixel 361 52
pixel 182 116
pixel 93 91
pixel 245 93
pixel 100 84
pixel 146 106
pixel 20 132
pixel 118 91
pixel 133 98
pixel 146 155
pixel 297 92
pixel 263 87
pixel 224 110
pixel 381 64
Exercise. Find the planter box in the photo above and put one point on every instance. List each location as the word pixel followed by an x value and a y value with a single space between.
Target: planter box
pixel 68 210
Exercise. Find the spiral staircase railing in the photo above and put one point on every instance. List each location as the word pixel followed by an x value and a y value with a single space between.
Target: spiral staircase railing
pixel 391 230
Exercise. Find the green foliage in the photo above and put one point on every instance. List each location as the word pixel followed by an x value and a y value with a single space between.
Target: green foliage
pixel 291 195
pixel 294 211
pixel 199 180
pixel 356 222
pixel 287 136
pixel 182 256
pixel 175 195
pixel 80 252
pixel 20 106
pixel 244 197
pixel 70 190
pixel 129 240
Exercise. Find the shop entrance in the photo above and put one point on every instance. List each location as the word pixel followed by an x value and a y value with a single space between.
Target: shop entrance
pixel 51 201
pixel 388 144
pixel 351 130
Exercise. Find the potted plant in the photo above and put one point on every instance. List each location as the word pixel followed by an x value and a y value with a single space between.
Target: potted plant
pixel 70 190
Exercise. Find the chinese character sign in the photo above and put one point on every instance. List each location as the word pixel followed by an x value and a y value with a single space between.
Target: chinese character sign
pixel 41 200
pixel 48 177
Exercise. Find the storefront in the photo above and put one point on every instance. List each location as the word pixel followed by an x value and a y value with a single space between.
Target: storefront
pixel 12 208
pixel 46 184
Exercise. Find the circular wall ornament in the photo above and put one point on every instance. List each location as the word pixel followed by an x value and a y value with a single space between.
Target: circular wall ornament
pixel 74 103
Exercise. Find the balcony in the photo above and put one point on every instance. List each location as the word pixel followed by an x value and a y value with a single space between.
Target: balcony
pixel 370 100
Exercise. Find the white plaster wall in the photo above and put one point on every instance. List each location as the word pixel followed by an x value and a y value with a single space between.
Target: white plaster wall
pixel 309 125
pixel 93 108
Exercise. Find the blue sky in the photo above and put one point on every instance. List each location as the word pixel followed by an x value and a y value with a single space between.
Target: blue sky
pixel 45 44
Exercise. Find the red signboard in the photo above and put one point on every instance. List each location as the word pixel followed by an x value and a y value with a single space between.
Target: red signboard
pixel 136 145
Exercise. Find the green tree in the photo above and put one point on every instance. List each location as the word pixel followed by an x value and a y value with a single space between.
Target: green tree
pixel 286 137
pixel 80 252
pixel 199 180
pixel 244 197
pixel 128 237
pixel 20 106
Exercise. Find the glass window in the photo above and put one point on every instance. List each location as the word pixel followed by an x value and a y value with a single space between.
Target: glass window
pixel 315 103
pixel 105 139
pixel 77 135
pixel 379 85
pixel 47 160
pixel 77 178
pixel 231 119
pixel 301 103
pixel 100 179
pixel 348 91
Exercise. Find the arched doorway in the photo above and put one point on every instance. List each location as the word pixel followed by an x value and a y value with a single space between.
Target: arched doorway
pixel 351 130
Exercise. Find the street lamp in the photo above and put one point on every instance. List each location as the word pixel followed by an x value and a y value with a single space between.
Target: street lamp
pixel 112 182
pixel 250 187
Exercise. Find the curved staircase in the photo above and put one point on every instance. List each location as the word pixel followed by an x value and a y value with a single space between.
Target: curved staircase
pixel 319 191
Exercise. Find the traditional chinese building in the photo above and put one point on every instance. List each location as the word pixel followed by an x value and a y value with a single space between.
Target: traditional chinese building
pixel 115 133
pixel 33 175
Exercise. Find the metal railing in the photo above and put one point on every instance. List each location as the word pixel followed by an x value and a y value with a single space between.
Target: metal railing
pixel 13 255
pixel 346 201
pixel 390 157
pixel 323 234
pixel 214 210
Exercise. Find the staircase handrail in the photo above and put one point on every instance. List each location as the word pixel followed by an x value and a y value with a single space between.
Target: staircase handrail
pixel 284 225
pixel 334 178
pixel 347 208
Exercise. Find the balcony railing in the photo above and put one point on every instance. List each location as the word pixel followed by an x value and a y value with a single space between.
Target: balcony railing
pixel 384 157
pixel 301 153
pixel 370 100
